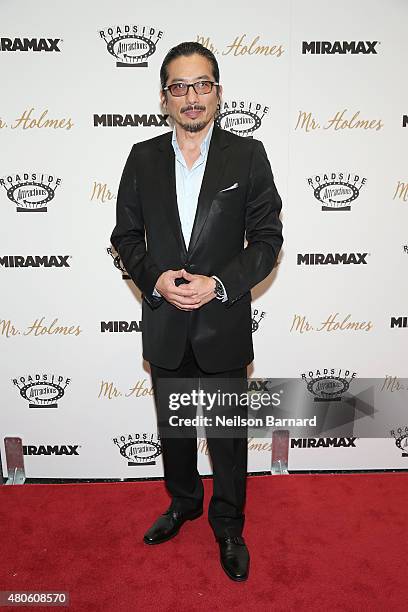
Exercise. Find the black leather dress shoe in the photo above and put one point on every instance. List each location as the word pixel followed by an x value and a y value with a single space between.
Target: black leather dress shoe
pixel 234 557
pixel 168 525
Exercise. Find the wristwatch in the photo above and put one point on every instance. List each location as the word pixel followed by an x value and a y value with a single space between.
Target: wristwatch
pixel 218 290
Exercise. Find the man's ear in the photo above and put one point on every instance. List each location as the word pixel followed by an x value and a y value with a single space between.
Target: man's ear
pixel 163 99
pixel 219 96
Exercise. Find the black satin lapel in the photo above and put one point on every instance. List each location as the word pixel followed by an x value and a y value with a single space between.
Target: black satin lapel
pixel 209 187
pixel 170 195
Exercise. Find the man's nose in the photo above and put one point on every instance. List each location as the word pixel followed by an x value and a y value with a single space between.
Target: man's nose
pixel 191 96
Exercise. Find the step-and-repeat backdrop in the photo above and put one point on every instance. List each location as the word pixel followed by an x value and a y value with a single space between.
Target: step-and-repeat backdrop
pixel 322 85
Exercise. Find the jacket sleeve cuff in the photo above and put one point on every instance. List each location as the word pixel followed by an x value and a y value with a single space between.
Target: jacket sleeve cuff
pixel 225 296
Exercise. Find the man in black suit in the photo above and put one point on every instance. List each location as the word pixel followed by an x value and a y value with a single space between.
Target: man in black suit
pixel 186 202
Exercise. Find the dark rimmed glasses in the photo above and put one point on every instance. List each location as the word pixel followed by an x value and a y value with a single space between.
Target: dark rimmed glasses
pixel 200 87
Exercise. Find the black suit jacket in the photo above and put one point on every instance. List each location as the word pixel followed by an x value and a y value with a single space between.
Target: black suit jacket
pixel 149 240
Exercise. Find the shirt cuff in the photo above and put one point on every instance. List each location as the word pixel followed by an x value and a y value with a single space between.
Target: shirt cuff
pixel 225 296
pixel 156 293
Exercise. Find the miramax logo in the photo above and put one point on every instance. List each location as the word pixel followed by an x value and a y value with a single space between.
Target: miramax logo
pixel 51 449
pixel 240 117
pixel 323 442
pixel 34 261
pixel 342 47
pixel 336 190
pixel 128 120
pixel 30 191
pixel 324 259
pixel 121 326
pixel 400 322
pixel 131 45
pixel 30 44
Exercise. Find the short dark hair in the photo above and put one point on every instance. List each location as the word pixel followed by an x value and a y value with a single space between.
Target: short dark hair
pixel 188 48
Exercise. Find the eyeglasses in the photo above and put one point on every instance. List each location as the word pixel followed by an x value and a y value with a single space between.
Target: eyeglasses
pixel 181 89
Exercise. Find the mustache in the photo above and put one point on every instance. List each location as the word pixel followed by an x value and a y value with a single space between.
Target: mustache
pixel 192 107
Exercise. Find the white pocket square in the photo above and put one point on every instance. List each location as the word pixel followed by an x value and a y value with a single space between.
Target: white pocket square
pixel 234 186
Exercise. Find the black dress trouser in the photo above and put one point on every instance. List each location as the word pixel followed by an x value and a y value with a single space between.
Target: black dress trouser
pixel 228 457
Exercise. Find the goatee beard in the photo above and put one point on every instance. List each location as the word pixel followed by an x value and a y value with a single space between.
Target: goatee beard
pixel 193 127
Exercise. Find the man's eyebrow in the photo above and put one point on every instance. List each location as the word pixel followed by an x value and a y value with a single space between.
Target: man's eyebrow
pixel 181 80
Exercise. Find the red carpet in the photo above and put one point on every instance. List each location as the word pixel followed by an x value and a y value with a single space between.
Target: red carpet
pixel 321 542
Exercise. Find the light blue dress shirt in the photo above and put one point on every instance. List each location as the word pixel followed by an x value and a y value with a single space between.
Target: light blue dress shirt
pixel 188 186
pixel 188 183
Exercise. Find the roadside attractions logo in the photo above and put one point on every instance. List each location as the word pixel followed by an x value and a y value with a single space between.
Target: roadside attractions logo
pixel 401 439
pixel 30 191
pixel 41 390
pixel 336 190
pixel 241 117
pixel 139 448
pixel 131 45
pixel 257 316
pixel 328 384
pixel 117 262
